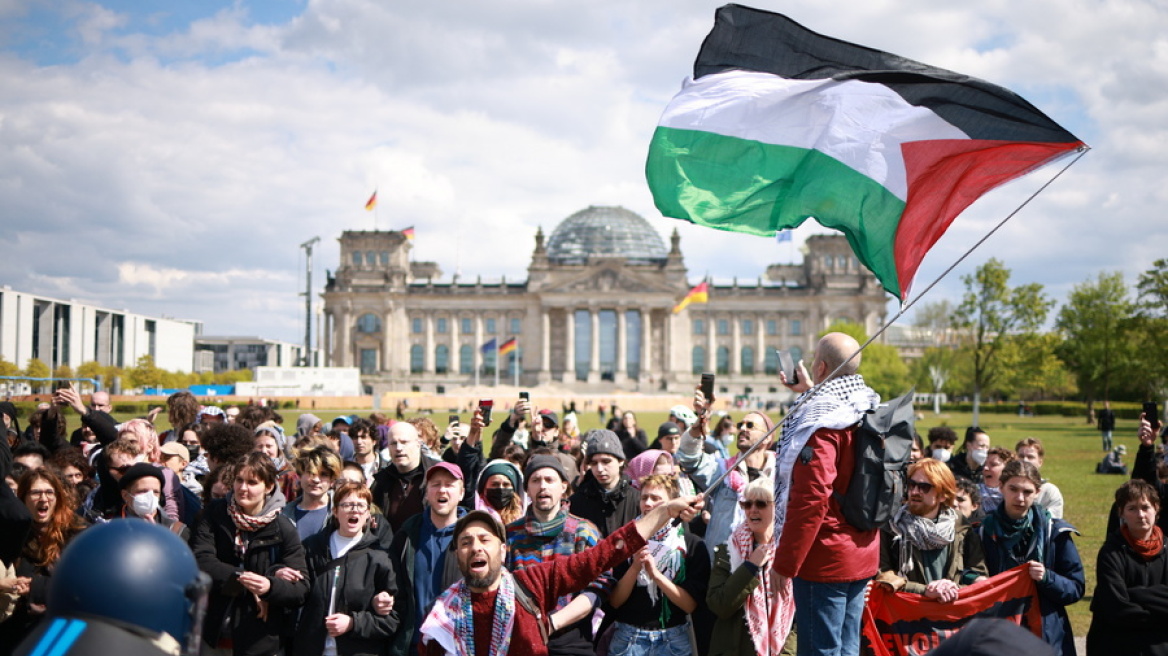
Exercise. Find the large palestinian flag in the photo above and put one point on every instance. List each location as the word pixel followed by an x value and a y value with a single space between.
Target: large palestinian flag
pixel 780 124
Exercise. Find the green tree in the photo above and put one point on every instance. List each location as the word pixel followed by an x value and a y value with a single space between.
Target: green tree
pixel 1151 330
pixel 880 364
pixel 1095 324
pixel 934 371
pixel 63 372
pixel 8 368
pixel 144 374
pixel 35 368
pixel 990 311
pixel 92 369
pixel 1031 368
pixel 232 377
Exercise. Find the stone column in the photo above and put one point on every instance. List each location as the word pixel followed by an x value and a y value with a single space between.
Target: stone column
pixel 622 345
pixel 387 355
pixel 344 356
pixel 711 343
pixel 570 349
pixel 454 363
pixel 760 346
pixel 545 357
pixel 594 347
pixel 478 342
pixel 735 346
pixel 428 366
pixel 646 349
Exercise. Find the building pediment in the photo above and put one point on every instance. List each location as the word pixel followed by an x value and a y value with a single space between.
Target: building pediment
pixel 608 279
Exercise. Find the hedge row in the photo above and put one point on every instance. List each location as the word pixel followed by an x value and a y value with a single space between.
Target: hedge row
pixel 140 408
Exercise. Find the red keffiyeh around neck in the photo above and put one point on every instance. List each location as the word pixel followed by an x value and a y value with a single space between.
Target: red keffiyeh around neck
pixel 1145 549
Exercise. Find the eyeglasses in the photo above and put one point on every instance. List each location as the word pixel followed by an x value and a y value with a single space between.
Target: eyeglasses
pixel 754 503
pixel 354 506
pixel 48 494
pixel 920 485
pixel 749 425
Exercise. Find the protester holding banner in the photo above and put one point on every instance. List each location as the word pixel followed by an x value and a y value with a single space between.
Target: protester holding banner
pixel 1130 606
pixel 928 548
pixel 751 616
pixel 1019 531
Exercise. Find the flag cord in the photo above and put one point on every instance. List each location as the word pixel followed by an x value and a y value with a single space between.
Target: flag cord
pixel 905 308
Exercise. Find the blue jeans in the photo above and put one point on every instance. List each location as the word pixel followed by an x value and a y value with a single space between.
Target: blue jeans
pixel 828 616
pixel 628 640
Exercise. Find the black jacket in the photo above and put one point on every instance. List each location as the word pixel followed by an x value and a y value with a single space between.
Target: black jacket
pixel 231 609
pixel 364 571
pixel 1129 612
pixel 398 495
pixel 608 511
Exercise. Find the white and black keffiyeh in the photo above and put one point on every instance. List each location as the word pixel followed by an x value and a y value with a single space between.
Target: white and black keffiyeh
pixel 835 404
pixel 923 533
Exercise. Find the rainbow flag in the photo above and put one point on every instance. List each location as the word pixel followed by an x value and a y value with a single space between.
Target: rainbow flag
pixel 699 294
pixel 372 202
pixel 508 346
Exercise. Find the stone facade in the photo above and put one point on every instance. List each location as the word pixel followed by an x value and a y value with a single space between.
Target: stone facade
pixel 594 314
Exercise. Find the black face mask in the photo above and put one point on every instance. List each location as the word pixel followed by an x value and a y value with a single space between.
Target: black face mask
pixel 499 497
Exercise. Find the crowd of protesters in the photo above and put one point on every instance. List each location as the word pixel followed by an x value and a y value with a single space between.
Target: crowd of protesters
pixel 369 535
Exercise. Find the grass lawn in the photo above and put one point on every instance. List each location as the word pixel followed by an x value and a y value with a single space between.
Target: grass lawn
pixel 1072 446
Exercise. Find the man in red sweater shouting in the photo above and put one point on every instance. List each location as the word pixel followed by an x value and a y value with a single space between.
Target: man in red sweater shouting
pixel 828 561
pixel 492 612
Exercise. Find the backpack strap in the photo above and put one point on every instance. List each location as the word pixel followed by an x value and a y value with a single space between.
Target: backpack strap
pixel 524 598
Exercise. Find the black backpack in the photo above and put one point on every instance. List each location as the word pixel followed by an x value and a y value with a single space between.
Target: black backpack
pixel 883 443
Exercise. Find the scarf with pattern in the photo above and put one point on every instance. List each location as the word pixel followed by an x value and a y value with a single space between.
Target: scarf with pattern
pixel 923 533
pixel 246 524
pixel 1019 537
pixel 667 547
pixel 451 621
pixel 835 404
pixel 769 611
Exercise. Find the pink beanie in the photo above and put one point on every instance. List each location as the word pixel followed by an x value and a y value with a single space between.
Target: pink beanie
pixel 642 465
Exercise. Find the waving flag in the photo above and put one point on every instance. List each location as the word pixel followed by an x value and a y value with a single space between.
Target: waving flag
pixel 699 294
pixel 780 124
pixel 508 346
pixel 491 345
pixel 372 202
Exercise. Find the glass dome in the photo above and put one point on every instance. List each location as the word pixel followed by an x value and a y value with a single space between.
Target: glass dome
pixel 605 232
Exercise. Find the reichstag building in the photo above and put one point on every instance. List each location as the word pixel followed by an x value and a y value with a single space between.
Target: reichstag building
pixel 595 313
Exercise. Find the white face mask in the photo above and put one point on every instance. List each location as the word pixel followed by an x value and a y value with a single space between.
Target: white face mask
pixel 979 456
pixel 942 454
pixel 144 504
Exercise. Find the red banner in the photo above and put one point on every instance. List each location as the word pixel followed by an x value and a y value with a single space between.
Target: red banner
pixel 906 624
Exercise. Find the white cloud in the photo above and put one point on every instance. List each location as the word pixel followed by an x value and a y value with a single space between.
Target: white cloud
pixel 178 173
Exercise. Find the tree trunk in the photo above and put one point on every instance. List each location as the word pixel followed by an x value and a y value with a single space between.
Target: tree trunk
pixel 976 406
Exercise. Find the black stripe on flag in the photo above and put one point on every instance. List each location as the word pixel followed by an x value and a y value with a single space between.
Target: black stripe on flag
pixel 744 38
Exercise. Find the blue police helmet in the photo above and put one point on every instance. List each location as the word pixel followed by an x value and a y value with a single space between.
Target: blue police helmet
pixel 134 573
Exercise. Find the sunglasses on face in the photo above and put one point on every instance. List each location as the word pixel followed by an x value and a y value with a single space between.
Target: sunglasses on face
pixel 924 487
pixel 121 470
pixel 749 425
pixel 754 503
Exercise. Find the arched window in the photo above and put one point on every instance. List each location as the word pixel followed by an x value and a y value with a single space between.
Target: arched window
pixel 723 364
pixel 466 359
pixel 771 364
pixel 441 359
pixel 368 323
pixel 370 258
pixel 699 359
pixel 417 359
pixel 747 360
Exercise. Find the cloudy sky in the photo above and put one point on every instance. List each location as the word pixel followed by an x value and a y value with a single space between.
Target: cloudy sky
pixel 170 157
